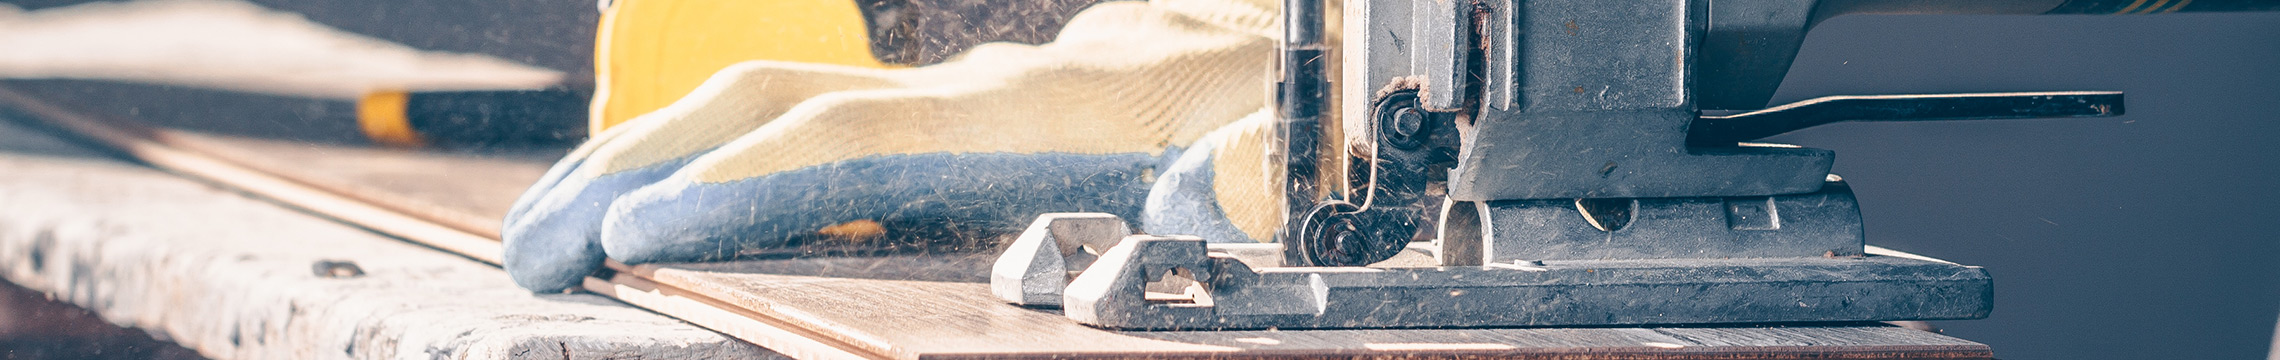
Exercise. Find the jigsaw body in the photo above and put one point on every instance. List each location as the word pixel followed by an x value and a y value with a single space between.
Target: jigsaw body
pixel 1572 162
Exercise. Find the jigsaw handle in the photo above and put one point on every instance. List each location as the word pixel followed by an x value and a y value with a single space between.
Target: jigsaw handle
pixel 1300 96
pixel 1749 45
pixel 1832 8
pixel 2125 7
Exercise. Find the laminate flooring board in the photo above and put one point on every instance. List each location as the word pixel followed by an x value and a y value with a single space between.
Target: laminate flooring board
pixel 914 306
pixel 462 191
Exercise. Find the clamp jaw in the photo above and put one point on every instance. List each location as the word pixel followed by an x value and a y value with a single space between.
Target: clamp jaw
pixel 1566 162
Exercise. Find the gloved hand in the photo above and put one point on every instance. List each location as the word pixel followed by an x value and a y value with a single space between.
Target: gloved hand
pixel 1153 111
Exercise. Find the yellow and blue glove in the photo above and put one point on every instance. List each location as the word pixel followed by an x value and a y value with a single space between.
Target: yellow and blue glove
pixel 1153 111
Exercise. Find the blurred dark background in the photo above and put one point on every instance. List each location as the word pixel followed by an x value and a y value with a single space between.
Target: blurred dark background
pixel 2146 236
pixel 2149 235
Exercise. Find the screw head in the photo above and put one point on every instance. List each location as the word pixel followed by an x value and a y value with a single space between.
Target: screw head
pixel 1407 120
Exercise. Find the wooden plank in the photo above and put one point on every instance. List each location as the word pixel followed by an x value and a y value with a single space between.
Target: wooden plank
pixel 876 307
pixel 459 191
pixel 729 319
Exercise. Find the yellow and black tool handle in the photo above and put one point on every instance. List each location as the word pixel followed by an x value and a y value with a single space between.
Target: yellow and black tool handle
pixel 474 118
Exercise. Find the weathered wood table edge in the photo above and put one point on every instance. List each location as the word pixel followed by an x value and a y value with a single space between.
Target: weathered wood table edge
pixel 233 276
pixel 808 323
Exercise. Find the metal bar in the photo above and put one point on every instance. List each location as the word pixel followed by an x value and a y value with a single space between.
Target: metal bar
pixel 1300 97
pixel 1728 129
pixel 1548 293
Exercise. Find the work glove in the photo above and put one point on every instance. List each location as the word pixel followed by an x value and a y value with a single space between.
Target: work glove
pixel 1153 111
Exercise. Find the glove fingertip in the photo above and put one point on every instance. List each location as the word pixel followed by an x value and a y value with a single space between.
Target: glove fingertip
pixel 548 262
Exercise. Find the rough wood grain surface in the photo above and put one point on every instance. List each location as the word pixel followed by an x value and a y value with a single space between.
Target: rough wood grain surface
pixel 854 307
pixel 235 277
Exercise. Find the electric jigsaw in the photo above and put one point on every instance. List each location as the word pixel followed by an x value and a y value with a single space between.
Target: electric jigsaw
pixel 1563 162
